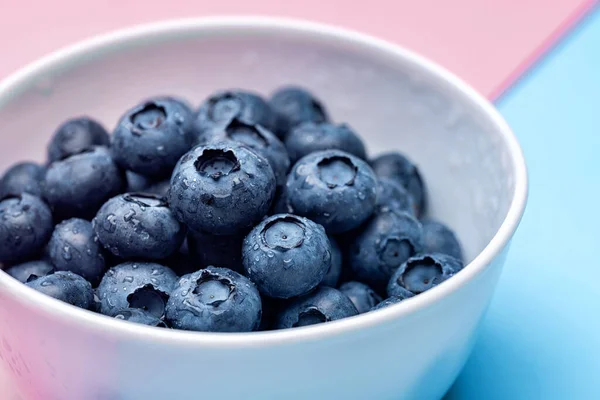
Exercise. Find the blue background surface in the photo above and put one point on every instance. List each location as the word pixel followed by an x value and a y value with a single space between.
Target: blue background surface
pixel 541 338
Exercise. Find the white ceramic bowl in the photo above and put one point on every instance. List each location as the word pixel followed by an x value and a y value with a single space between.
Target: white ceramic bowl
pixel 395 99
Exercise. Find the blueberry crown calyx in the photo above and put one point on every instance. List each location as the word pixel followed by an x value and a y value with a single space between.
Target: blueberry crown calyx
pixel 310 316
pixel 149 116
pixel 240 130
pixel 226 105
pixel 337 171
pixel 284 233
pixel 213 289
pixel 216 163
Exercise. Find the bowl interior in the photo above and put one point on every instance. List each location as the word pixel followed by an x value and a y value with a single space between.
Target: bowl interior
pixel 391 102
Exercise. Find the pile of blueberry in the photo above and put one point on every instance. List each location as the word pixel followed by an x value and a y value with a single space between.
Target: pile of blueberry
pixel 243 215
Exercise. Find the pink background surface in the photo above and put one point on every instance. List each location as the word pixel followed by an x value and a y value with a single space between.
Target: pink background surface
pixel 487 42
pixel 483 41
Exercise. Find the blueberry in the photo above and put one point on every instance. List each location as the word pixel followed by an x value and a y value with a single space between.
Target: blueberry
pixel 75 135
pixel 310 137
pixel 30 270
pixel 136 285
pixel 139 316
pixel 24 177
pixel 390 301
pixel 392 196
pixel 438 238
pixel 215 300
pixel 293 106
pixel 334 189
pixel 152 136
pixel 323 305
pixel 221 107
pixel 221 188
pixel 399 168
pixel 219 251
pixel 74 247
pixel 286 255
pixel 77 186
pixel 362 296
pixel 25 227
pixel 65 286
pixel 335 270
pixel 421 273
pixel 258 139
pixel 138 226
pixel 387 241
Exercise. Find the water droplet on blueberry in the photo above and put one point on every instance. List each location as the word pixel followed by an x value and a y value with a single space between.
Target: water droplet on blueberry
pixel 129 215
pixel 110 224
pixel 67 253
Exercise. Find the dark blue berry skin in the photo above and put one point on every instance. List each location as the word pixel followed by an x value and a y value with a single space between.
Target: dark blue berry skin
pixel 74 247
pixel 286 255
pixel 323 305
pixel 25 227
pixel 391 196
pixel 77 186
pixel 387 241
pixel 390 301
pixel 160 188
pixel 136 285
pixel 310 137
pixel 221 188
pixel 223 106
pixel 399 168
pixel 334 189
pixel 75 135
pixel 215 300
pixel 24 177
pixel 258 139
pixel 362 296
pixel 139 316
pixel 139 226
pixel 421 273
pixel 137 182
pixel 219 251
pixel 65 286
pixel 438 238
pixel 294 106
pixel 30 270
pixel 152 136
pixel 332 276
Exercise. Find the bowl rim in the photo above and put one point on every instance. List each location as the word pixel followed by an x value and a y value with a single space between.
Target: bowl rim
pixel 138 34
